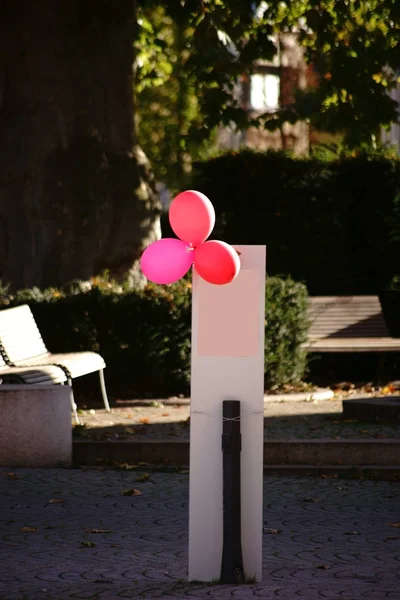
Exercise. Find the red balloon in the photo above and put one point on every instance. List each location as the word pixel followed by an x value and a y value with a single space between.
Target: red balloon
pixel 192 217
pixel 216 262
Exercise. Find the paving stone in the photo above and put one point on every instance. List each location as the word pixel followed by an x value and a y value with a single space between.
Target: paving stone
pixel 335 538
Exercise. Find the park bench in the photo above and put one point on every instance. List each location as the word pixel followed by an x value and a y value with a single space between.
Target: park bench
pixel 348 324
pixel 44 375
pixel 22 346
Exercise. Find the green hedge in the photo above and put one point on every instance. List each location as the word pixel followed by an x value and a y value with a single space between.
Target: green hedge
pixel 144 336
pixel 333 224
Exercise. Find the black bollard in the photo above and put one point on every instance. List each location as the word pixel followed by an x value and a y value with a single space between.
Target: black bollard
pixel 232 560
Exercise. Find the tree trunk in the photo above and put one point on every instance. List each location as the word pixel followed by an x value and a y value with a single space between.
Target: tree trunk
pixel 76 193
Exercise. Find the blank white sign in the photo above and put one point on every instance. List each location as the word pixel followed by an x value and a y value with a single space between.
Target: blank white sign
pixel 227 364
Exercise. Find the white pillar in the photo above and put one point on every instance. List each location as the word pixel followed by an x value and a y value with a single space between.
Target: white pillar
pixel 227 364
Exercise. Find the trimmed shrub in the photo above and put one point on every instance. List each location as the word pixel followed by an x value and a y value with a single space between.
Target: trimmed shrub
pixel 144 336
pixel 332 224
pixel 286 328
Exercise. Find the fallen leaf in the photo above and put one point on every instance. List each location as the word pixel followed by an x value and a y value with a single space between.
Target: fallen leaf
pixel 345 386
pixel 129 430
pixel 28 529
pixel 11 475
pixel 388 389
pixel 88 544
pixel 394 525
pixel 143 477
pixel 127 466
pixel 165 415
pixel 56 501
pixel 144 420
pixel 272 531
pixel 132 492
pixel 98 530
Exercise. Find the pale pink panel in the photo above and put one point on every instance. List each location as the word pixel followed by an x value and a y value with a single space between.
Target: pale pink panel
pixel 229 316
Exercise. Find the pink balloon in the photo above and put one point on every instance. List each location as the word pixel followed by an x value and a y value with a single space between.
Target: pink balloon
pixel 192 217
pixel 216 262
pixel 166 260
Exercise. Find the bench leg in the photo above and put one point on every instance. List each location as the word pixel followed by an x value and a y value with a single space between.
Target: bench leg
pixel 381 370
pixel 103 391
pixel 73 405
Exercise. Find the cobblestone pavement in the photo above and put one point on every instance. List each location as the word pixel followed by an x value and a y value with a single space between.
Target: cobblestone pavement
pixel 283 420
pixel 73 534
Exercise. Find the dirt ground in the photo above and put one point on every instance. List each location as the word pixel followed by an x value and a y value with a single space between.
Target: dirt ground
pixel 286 416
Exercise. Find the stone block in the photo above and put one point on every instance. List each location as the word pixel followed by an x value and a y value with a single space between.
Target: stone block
pixel 36 426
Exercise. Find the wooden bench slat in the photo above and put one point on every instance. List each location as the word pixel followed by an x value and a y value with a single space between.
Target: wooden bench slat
pixel 348 324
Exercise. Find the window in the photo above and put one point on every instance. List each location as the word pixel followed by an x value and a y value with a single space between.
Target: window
pixel 264 91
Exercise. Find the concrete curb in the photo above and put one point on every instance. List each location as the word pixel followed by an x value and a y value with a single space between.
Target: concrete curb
pixel 355 471
pixel 317 395
pixel 382 453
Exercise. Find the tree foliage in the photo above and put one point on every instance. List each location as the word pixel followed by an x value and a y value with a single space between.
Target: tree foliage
pixel 190 57
pixel 193 53
pixel 354 47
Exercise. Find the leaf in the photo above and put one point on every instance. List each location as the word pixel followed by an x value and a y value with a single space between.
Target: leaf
pixel 88 544
pixel 28 529
pixel 127 466
pixel 388 389
pixel 132 492
pixel 272 531
pixel 394 525
pixel 56 501
pixel 11 475
pixel 144 420
pixel 129 430
pixel 166 414
pixel 143 477
pixel 98 530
